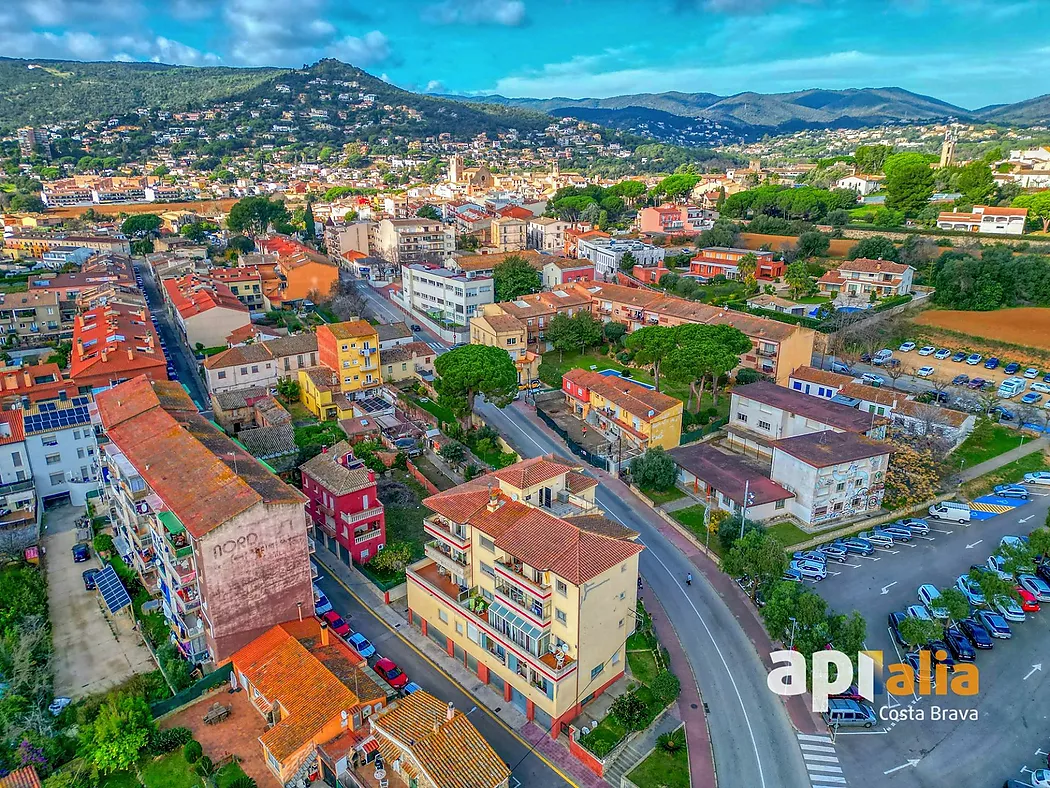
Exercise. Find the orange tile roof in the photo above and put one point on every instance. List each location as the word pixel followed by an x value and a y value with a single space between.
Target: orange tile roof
pixel 192 295
pixel 450 752
pixel 25 777
pixel 814 375
pixel 203 476
pixel 528 473
pixel 241 274
pixel 15 427
pixel 867 265
pixel 38 381
pixel 642 403
pixel 351 329
pixel 114 342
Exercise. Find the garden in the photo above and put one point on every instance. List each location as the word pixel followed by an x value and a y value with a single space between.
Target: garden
pixel 667 766
pixel 654 688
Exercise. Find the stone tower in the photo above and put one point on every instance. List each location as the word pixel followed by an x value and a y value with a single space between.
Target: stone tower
pixel 948 148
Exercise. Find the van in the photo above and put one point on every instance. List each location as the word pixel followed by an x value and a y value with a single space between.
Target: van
pixel 951 510
pixel 849 713
pixel 1011 387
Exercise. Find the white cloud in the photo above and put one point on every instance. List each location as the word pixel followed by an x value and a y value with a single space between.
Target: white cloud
pixel 164 50
pixel 369 49
pixel 510 13
pixel 61 13
pixel 192 10
pixel 434 86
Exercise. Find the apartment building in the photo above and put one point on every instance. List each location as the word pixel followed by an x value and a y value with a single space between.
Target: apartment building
pixel 36 244
pixel 343 239
pixel 778 348
pixel 623 410
pixel 509 333
pixel 33 318
pixel 407 241
pixel 102 268
pixel 33 383
pixel 560 271
pixel 114 343
pixel 298 274
pixel 546 234
pixel 444 295
pixel 509 234
pixel 344 507
pixel 528 584
pixel 818 382
pixel 669 219
pixel 260 364
pixel 61 447
pixel 484 265
pixel 607 253
pixel 18 505
pixel 60 256
pixel 863 279
pixel 536 310
pixel 205 310
pixel 220 538
pixel 724 261
pixel 348 369
pixel 413 360
pixel 985 219
pixel 246 284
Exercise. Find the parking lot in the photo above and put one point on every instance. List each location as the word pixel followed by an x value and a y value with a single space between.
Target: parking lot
pixel 910 747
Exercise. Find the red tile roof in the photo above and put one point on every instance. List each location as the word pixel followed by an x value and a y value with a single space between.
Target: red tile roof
pixel 25 777
pixel 192 294
pixel 114 342
pixel 528 473
pixel 867 265
pixel 642 403
pixel 11 423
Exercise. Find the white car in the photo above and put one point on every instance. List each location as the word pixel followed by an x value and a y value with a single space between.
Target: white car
pixel 1042 388
pixel 925 372
pixel 1009 609
pixel 930 596
pixel 1031 372
pixel 872 379
pixel 878 539
pixel 907 347
pixel 1041 778
pixel 942 354
pixel 1037 477
pixel 928 350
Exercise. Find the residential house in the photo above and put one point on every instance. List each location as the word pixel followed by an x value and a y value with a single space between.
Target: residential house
pixel 342 239
pixel 574 234
pixel 536 310
pixel 777 304
pixel 344 507
pixel 672 219
pixel 558 271
pixel 509 333
pixel 33 318
pixel 414 360
pixel 546 234
pixel 407 241
pixel 253 332
pixel 865 280
pixel 393 334
pixel 863 185
pixel 623 410
pixel 215 533
pixel 348 369
pixel 607 253
pixel 484 265
pixel 205 310
pixel 727 480
pixel 528 585
pixel 18 501
pixel 300 272
pixel 724 261
pixel 818 382
pixel 61 447
pixel 260 364
pixel 245 283
pixel 650 275
pixel 985 219
pixel 235 410
pixel 114 343
pixel 33 383
pixel 100 269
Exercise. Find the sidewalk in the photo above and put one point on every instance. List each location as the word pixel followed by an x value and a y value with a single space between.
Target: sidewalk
pixel 981 468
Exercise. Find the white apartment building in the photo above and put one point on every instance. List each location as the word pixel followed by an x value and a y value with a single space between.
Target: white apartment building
pixel 343 237
pixel 606 254
pixel 408 241
pixel 17 490
pixel 547 234
pixel 260 364
pixel 509 234
pixel 61 446
pixel 985 219
pixel 444 294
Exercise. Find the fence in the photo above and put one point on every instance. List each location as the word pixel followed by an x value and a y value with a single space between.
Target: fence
pixel 695 435
pixel 594 459
pixel 214 679
pixel 428 485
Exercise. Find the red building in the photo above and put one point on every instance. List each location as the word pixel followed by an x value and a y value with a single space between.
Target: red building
pixel 722 261
pixel 344 506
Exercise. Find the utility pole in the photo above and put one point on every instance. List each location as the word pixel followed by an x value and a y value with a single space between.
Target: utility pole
pixel 749 499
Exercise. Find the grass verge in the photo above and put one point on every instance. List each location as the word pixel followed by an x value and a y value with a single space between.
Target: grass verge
pixel 984 443
pixel 660 497
pixel 1009 473
pixel 662 770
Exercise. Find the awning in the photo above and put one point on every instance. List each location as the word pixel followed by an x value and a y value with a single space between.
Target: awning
pixel 370 746
pixel 516 621
pixel 122 546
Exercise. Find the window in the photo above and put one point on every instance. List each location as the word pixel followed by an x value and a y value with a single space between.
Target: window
pixel 616 658
pixel 255 367
pixel 840 487
pixel 763 425
pixel 443 616
pixel 76 435
pixel 487 543
pixel 779 504
pixel 49 440
pixel 597 671
pixel 80 454
pixel 741 417
pixel 560 615
pixel 244 370
pixel 486 569
pixel 57 479
pixel 16 459
pixel 222 374
pixel 53 459
pixel 459 628
pixel 563 589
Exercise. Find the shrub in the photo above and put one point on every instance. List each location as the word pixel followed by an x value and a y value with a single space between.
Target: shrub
pixel 625 356
pixel 666 686
pixel 654 470
pixel 629 710
pixel 193 751
pixel 103 543
pixel 169 740
pixel 244 781
pixel 671 742
pixel 205 766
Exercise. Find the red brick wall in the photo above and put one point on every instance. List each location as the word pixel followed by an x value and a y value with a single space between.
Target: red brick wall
pixel 419 477
pixel 327 351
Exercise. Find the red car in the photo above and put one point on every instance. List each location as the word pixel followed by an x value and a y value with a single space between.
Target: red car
pixel 391 673
pixel 1029 603
pixel 336 623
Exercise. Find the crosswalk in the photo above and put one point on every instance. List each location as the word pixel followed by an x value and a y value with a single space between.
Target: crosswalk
pixel 821 761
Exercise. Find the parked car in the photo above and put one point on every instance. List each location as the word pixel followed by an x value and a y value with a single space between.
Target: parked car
pixel 925 372
pixel 361 645
pixel 841 367
pixel 898 532
pixel 882 357
pixel 878 539
pixel 997 564
pixel 918 611
pixel 1009 609
pixel 969 588
pixel 89 579
pixel 960 355
pixel 81 553
pixel 1028 603
pixel 895 620
pixel 857 545
pixel 907 347
pixel 1043 570
pixel 391 673
pixel 1031 373
pixel 959 645
pixel 811 555
pixel 976 633
pixel 929 396
pixel 936 647
pixel 994 624
pixel 975 384
pixel 973 359
pixel 849 713
pixel 942 354
pixel 792 575
pixel 922 674
pixel 1035 586
pixel 850 693
pixel 872 379
pixel 1037 477
pixel 991 363
pixel 1011 368
pixel 336 623
pixel 416 327
pixel 1042 388
pixel 1031 398
pixel 1011 491
pixel 836 551
pixel 930 596
pixel 810 570
pixel 865 357
pixel 321 603
pixel 409 688
pixel 927 350
pixel 915 525
pixel 1046 378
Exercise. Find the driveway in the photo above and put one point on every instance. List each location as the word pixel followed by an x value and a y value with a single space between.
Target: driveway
pixel 92 652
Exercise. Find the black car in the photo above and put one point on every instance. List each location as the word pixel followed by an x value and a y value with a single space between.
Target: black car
pixel 416 327
pixel 895 620
pixel 1002 413
pixel 1043 570
pixel 976 633
pixel 959 645
pixel 865 357
pixel 89 579
pixel 81 552
pixel 939 646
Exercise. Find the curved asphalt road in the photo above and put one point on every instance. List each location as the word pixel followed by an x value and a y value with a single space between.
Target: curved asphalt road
pixel 753 740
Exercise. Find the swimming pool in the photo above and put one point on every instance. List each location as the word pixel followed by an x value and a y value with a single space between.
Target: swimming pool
pixel 615 373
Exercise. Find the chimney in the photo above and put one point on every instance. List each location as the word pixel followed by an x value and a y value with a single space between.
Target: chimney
pixel 494 501
pixel 324 633
pixel 450 712
pixel 131 355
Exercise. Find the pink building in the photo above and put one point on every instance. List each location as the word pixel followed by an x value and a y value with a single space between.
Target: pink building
pixel 722 261
pixel 671 219
pixel 343 504
pixel 649 275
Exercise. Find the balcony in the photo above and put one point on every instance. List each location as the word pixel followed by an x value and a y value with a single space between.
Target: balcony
pixel 439 579
pixel 367 536
pixel 446 558
pixel 450 533
pixel 514 572
pixel 361 516
pixel 16 487
pixel 535 609
pixel 767 353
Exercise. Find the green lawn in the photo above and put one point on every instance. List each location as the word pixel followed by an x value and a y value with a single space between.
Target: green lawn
pixel 120 780
pixel 663 496
pixel 643 665
pixel 171 771
pixel 813 300
pixel 984 443
pixel 606 735
pixel 441 413
pixel 1009 473
pixel 692 518
pixel 662 770
pixel 228 773
pixel 788 533
pixel 300 413
pixel 403 524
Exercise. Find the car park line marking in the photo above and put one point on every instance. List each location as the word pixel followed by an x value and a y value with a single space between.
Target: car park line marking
pixel 907 544
pixel 886 589
pixel 941 531
pixel 854 566
pixel 1040 752
pixel 887 550
pixel 869 557
pixel 929 538
pixel 834 574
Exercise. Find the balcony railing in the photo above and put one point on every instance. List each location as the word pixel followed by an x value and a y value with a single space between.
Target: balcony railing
pixel 357 517
pixel 367 536
pixel 447 531
pixel 16 487
pixel 766 353
pixel 514 572
pixel 533 608
pixel 445 559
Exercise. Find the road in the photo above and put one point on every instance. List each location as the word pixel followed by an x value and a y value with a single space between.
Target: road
pixel 177 352
pixel 385 312
pixel 1011 703
pixel 753 741
pixel 532 771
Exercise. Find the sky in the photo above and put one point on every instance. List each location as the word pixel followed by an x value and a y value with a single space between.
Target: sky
pixel 968 52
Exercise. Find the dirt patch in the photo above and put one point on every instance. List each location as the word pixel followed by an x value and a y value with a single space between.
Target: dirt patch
pixel 778 243
pixel 1025 326
pixel 201 207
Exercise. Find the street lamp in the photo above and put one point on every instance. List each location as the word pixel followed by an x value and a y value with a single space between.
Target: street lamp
pixel 793 621
pixel 749 500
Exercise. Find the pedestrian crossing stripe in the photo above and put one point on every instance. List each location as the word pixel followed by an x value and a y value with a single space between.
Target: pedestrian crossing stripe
pixel 994 508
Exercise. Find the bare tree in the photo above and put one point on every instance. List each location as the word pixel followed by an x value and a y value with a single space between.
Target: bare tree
pixel 896 372
pixel 1026 414
pixel 987 401
pixel 940 387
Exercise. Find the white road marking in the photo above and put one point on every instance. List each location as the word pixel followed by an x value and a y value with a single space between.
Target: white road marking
pixel 812 737
pixel 817 748
pixel 869 557
pixel 1026 519
pixel 815 767
pixel 971 546
pixel 819 758
pixel 927 538
pixel 1037 666
pixel 913 762
pixel 942 531
pixel 828 778
pixel 886 589
pixel 887 550
pixel 855 566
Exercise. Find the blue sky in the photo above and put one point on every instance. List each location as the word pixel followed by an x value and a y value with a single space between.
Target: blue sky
pixel 969 52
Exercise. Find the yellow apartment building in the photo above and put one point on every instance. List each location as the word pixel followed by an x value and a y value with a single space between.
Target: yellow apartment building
pixel 507 332
pixel 530 586
pixel 622 409
pixel 349 369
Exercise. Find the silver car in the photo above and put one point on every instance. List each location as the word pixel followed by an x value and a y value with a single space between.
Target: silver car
pixel 1035 586
pixel 915 525
pixel 878 539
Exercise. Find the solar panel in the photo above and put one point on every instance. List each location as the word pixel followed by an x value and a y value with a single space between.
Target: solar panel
pixel 113 592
